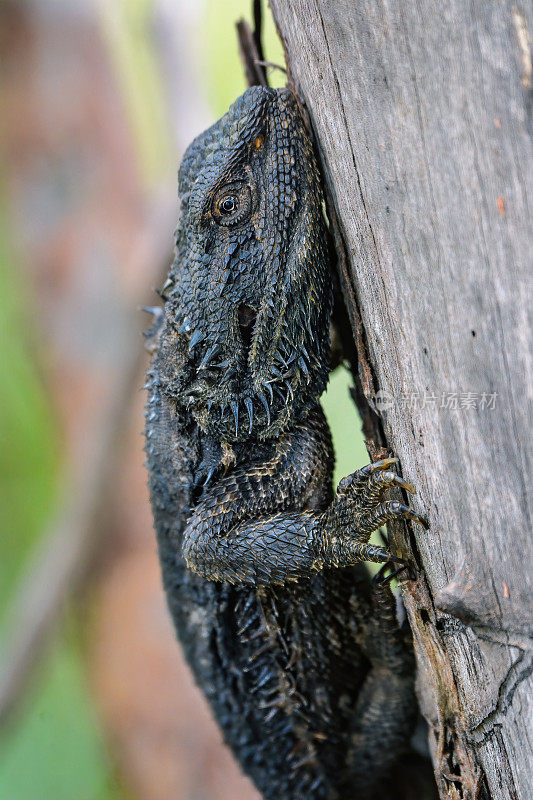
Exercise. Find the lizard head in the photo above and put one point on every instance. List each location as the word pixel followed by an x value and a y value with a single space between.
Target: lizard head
pixel 250 288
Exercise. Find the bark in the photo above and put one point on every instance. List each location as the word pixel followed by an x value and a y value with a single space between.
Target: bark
pixel 422 114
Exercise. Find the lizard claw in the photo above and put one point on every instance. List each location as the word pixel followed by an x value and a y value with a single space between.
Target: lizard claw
pixel 381 579
pixel 404 484
pixel 412 515
pixel 385 463
pixel 361 506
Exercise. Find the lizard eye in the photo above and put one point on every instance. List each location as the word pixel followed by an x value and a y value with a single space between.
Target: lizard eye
pixel 232 204
pixel 227 205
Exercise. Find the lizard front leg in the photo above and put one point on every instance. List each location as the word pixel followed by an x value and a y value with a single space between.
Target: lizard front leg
pixel 255 525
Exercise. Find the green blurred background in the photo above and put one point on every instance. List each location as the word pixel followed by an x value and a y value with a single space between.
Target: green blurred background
pixel 56 747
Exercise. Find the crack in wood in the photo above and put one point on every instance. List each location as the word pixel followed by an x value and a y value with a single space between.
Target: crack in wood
pixel 506 691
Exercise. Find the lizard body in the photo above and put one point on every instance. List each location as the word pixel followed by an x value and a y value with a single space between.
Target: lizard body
pixel 299 655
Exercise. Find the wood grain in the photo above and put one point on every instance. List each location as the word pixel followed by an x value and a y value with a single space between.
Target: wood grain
pixel 422 113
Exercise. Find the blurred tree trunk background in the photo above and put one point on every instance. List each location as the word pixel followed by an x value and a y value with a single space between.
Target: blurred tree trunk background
pixel 99 100
pixel 423 118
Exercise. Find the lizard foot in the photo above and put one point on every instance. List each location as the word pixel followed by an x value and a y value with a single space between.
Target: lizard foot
pixel 361 507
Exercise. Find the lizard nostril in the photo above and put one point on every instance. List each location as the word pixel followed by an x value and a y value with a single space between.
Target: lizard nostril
pixel 246 316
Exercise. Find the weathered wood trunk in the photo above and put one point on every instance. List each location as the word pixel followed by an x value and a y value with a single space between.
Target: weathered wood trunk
pixel 422 114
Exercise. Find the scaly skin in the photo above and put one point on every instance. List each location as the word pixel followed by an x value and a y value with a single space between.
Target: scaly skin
pixel 300 657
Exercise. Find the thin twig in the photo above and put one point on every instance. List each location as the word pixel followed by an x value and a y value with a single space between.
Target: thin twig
pixel 251 58
pixel 257 14
pixel 272 66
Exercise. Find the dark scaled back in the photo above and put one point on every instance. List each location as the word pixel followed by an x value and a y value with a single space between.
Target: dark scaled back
pixel 250 288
